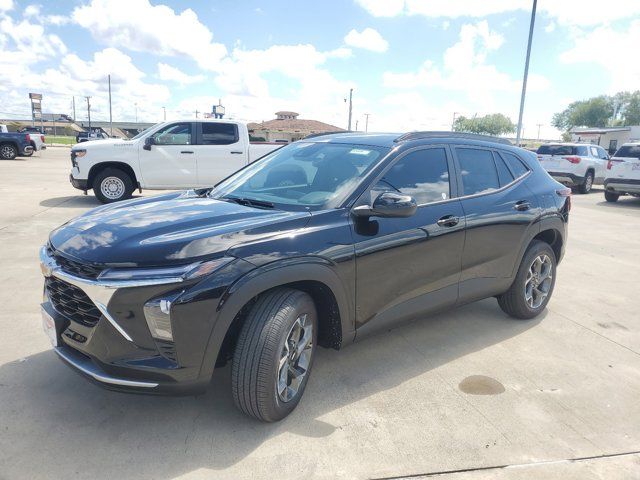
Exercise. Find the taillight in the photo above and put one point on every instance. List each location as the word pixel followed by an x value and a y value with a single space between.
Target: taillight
pixel 609 165
pixel 27 137
pixel 42 138
pixel 572 159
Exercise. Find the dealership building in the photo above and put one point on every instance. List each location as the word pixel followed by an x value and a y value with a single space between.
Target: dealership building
pixel 610 138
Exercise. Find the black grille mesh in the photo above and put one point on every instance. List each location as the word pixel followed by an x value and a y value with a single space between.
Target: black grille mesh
pixel 72 267
pixel 72 302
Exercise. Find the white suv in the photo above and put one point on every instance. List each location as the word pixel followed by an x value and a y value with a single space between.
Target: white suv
pixel 576 165
pixel 623 173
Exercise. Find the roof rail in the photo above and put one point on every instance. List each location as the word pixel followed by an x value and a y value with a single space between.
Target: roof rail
pixel 470 136
pixel 314 135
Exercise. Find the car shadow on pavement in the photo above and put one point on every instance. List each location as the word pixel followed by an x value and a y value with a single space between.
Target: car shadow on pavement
pixel 73 201
pixel 69 425
pixel 623 202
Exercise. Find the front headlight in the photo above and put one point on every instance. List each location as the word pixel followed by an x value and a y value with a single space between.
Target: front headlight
pixel 164 274
pixel 80 153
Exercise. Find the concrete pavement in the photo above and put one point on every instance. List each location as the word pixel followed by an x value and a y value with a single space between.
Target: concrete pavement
pixel 561 387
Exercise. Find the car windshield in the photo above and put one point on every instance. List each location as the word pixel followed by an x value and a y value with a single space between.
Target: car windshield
pixel 301 176
pixel 632 151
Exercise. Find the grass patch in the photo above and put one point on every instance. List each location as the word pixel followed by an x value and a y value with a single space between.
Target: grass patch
pixel 60 139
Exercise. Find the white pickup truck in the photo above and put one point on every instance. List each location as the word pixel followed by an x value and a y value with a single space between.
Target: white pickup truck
pixel 170 155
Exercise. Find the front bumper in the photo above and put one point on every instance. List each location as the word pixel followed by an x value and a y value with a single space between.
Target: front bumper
pixel 78 183
pixel 116 349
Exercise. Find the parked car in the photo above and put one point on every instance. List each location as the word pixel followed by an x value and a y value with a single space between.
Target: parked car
pixel 94 135
pixel 170 155
pixel 623 173
pixel 576 165
pixel 37 138
pixel 319 243
pixel 15 144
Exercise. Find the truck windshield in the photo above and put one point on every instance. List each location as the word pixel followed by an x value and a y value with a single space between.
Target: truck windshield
pixel 302 176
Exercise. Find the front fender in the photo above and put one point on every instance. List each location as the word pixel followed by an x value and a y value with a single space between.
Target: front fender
pixel 269 276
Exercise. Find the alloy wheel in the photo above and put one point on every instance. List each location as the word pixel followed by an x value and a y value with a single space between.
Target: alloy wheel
pixel 539 280
pixel 295 358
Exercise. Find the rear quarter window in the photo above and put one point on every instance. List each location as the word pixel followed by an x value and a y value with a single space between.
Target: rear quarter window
pixel 515 164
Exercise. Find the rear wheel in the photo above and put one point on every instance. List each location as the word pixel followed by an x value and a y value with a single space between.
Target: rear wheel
pixel 112 185
pixel 532 288
pixel 587 184
pixel 8 151
pixel 274 354
pixel 33 149
pixel 610 196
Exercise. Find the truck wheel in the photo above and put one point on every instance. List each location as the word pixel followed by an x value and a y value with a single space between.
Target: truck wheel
pixel 532 288
pixel 112 185
pixel 8 151
pixel 587 184
pixel 610 196
pixel 274 354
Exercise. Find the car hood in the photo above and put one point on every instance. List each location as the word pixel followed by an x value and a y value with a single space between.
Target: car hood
pixel 168 229
pixel 100 143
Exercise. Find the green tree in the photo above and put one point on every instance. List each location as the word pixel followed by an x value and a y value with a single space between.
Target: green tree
pixel 493 124
pixel 594 112
pixel 631 112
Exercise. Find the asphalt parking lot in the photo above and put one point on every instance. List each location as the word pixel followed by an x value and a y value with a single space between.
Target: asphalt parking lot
pixel 560 393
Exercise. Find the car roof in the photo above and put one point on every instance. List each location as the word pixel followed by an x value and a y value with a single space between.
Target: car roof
pixel 570 144
pixel 392 140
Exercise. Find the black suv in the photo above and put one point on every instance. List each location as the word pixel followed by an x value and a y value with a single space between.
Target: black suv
pixel 317 244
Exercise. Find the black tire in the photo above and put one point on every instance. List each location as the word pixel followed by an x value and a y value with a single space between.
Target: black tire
pixel 610 196
pixel 586 185
pixel 257 356
pixel 8 151
pixel 113 177
pixel 513 302
pixel 33 149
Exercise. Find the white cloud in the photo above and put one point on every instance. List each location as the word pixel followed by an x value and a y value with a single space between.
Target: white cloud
pixel 142 27
pixel 368 39
pixel 609 48
pixel 566 12
pixel 6 5
pixel 32 11
pixel 168 73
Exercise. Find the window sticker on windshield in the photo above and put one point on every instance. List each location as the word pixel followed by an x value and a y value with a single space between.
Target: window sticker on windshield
pixel 359 151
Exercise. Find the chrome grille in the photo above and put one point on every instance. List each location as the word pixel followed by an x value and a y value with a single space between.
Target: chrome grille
pixel 72 302
pixel 78 269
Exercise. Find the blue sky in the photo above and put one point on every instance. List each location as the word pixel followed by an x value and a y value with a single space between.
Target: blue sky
pixel 412 63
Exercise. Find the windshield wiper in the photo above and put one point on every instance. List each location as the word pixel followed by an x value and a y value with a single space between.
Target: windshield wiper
pixel 247 202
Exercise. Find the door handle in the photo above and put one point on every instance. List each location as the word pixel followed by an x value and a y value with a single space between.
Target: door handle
pixel 235 152
pixel 448 221
pixel 186 151
pixel 522 206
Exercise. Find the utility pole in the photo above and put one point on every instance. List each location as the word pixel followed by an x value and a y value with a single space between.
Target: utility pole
pixel 539 125
pixel 350 108
pixel 366 122
pixel 89 113
pixel 73 103
pixel 453 122
pixel 197 113
pixel 526 70
pixel 136 104
pixel 356 125
pixel 165 113
pixel 110 116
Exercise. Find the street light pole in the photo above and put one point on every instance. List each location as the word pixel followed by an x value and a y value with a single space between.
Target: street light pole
pixel 366 122
pixel 453 122
pixel 539 125
pixel 526 69
pixel 89 113
pixel 350 108
pixel 165 113
pixel 136 104
pixel 110 116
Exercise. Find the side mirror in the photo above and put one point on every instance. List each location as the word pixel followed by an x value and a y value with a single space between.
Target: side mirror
pixel 388 205
pixel 148 142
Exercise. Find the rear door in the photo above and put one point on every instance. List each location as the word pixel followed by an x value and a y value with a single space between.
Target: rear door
pixel 221 151
pixel 171 161
pixel 499 209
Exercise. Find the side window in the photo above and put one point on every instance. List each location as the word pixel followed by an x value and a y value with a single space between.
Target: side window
pixel 515 164
pixel 504 174
pixel 423 174
pixel 594 152
pixel 582 151
pixel 478 171
pixel 176 134
pixel 602 153
pixel 613 146
pixel 219 133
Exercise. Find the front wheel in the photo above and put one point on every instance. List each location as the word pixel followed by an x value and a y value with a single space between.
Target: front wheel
pixel 8 151
pixel 610 196
pixel 532 288
pixel 274 354
pixel 112 185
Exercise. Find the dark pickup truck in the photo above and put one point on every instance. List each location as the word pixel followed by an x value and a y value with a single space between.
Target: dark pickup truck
pixel 14 144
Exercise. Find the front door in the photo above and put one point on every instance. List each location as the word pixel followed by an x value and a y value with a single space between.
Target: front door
pixel 171 161
pixel 407 266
